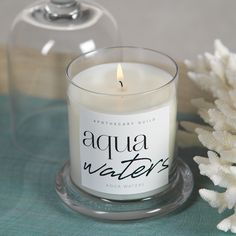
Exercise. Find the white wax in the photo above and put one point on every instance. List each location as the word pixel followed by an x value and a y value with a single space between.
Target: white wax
pixel 138 78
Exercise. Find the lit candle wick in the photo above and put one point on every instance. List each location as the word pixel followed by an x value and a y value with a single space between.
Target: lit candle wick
pixel 120 75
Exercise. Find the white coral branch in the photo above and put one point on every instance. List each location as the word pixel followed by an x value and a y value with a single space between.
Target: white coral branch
pixel 226 109
pixel 216 169
pixel 216 73
pixel 228 223
pixel 187 137
pixel 203 107
pixel 191 126
pixel 214 199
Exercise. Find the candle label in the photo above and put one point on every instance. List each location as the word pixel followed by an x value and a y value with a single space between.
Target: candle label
pixel 124 154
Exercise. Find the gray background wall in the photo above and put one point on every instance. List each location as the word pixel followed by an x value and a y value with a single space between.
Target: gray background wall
pixel 181 28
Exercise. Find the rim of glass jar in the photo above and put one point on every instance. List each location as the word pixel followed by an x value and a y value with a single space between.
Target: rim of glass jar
pixel 123 47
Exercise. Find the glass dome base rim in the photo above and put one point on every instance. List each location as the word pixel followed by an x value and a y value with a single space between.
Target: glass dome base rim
pixel 65 188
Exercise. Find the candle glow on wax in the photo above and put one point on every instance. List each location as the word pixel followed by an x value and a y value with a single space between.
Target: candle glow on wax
pixel 120 75
pixel 138 78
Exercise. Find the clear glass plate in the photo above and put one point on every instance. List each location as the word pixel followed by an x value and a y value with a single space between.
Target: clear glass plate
pixel 160 204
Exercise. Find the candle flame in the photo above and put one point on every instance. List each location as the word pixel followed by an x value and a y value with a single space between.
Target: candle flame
pixel 120 74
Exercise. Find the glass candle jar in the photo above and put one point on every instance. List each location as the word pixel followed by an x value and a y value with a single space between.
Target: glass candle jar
pixel 122 125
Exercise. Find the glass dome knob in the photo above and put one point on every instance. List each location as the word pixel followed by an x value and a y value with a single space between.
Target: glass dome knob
pixel 56 9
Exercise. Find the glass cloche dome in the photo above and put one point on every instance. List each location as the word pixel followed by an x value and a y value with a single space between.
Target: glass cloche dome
pixel 44 38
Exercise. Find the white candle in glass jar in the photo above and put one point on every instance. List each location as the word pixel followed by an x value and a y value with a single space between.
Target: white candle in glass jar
pixel 122 133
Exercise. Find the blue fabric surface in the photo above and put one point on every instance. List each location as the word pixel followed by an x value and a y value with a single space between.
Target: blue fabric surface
pixel 30 206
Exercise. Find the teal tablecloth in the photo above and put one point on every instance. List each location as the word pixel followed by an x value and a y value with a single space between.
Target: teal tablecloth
pixel 30 206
